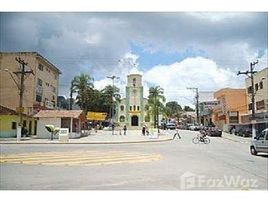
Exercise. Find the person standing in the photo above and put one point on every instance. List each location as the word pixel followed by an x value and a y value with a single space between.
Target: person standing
pixel 113 129
pixel 143 130
pixel 125 129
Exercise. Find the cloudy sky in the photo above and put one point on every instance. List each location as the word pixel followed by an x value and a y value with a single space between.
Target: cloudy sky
pixel 173 50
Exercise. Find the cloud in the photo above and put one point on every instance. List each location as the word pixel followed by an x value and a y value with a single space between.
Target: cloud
pixel 198 72
pixel 93 43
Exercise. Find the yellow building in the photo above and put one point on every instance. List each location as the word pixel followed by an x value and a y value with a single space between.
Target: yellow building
pixel 40 88
pixel 232 105
pixel 9 121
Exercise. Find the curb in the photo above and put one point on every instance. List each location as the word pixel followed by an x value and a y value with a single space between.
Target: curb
pixel 118 142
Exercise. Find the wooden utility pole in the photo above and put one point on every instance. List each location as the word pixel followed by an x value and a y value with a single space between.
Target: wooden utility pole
pixel 22 72
pixel 251 76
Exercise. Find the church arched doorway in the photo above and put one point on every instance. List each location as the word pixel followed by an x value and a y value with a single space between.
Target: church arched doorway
pixel 134 120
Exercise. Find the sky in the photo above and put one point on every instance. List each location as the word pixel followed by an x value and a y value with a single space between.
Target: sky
pixel 174 50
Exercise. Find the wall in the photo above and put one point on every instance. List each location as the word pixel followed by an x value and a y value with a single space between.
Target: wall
pixel 6 130
pixel 42 131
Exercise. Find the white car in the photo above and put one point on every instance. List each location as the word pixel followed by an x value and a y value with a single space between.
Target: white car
pixel 260 144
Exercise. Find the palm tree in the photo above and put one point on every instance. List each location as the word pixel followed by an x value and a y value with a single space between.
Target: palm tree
pixel 154 101
pixel 81 84
pixel 110 96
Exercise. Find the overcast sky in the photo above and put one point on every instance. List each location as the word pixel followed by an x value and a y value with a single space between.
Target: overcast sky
pixel 173 50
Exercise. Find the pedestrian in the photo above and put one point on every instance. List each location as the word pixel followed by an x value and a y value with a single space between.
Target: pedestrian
pixel 125 129
pixel 143 130
pixel 177 134
pixel 146 130
pixel 113 129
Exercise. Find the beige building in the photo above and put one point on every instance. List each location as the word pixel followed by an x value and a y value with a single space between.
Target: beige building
pixel 261 99
pixel 261 91
pixel 41 87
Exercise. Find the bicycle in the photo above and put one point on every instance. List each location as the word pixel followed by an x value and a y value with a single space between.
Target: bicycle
pixel 198 139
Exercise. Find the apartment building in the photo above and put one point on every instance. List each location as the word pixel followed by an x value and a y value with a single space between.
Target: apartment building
pixel 40 87
pixel 261 98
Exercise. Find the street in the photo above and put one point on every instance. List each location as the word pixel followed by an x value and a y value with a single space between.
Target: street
pixel 170 165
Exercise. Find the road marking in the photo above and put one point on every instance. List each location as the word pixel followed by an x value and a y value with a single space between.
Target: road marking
pixel 77 158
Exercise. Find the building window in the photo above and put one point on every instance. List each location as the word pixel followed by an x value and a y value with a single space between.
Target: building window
pixel 256 86
pixel 250 106
pixel 261 85
pixel 24 123
pixel 41 67
pixel 14 125
pixel 134 82
pixel 138 108
pixel 38 98
pixel 47 84
pixel 122 108
pixel 134 108
pixel 260 105
pixel 40 82
pixel 249 89
pixel 130 108
pixel 122 118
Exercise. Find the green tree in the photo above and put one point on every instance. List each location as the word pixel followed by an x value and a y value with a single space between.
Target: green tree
pixel 81 85
pixel 188 108
pixel 110 96
pixel 172 108
pixel 155 104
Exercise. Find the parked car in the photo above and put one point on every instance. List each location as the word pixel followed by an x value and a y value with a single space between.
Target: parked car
pixel 260 143
pixel 245 132
pixel 171 125
pixel 195 127
pixel 213 131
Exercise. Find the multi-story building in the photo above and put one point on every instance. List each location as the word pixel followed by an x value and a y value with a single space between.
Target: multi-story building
pixel 261 99
pixel 232 105
pixel 40 87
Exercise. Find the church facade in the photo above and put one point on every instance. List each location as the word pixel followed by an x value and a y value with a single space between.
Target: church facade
pixel 131 109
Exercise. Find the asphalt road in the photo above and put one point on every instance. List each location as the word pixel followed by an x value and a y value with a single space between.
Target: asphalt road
pixel 172 165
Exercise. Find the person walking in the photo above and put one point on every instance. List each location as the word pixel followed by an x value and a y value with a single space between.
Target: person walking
pixel 177 134
pixel 113 129
pixel 125 129
pixel 143 130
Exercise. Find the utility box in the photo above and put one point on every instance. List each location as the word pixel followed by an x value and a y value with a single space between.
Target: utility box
pixel 64 135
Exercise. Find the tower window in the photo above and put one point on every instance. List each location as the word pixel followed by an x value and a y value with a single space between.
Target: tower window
pixel 130 107
pixel 138 107
pixel 134 108
pixel 122 108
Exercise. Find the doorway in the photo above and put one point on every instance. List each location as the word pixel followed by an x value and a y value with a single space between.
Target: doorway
pixel 134 120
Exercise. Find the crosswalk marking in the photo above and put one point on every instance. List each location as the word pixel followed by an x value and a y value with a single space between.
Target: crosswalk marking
pixel 77 158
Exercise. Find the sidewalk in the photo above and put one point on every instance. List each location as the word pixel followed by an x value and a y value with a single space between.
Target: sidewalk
pixel 101 137
pixel 236 138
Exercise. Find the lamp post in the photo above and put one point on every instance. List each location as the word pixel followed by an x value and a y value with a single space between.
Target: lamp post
pixel 112 77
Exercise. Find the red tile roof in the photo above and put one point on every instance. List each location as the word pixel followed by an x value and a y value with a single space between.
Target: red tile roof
pixel 58 113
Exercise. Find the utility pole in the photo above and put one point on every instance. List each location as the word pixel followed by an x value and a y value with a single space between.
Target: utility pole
pixel 251 76
pixel 197 102
pixel 112 77
pixel 20 86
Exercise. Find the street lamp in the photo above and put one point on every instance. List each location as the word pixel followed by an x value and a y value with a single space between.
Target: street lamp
pixel 112 77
